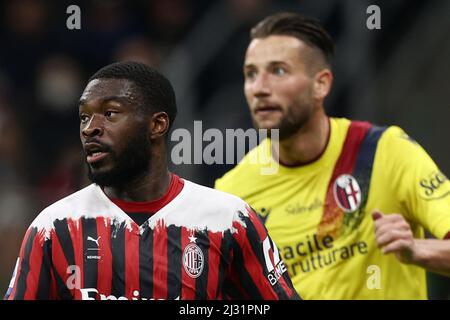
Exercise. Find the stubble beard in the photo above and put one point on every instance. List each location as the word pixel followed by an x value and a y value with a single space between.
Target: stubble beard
pixel 133 162
pixel 296 117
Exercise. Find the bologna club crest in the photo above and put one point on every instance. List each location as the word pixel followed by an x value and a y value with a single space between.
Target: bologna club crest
pixel 347 193
pixel 193 260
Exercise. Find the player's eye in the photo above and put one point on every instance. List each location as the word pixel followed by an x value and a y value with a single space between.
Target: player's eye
pixel 84 118
pixel 250 74
pixel 109 114
pixel 279 71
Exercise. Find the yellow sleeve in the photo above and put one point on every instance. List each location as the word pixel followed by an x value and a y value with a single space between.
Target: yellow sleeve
pixel 218 184
pixel 417 181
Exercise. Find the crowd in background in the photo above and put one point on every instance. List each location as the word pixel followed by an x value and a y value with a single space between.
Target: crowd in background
pixel 199 45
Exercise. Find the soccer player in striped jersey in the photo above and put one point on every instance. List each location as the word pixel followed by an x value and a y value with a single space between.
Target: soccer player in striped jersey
pixel 350 201
pixel 140 232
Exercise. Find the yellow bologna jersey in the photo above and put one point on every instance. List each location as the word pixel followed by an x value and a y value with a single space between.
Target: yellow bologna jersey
pixel 319 214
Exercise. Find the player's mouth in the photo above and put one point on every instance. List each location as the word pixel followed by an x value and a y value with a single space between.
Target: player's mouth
pixel 95 157
pixel 267 110
pixel 94 152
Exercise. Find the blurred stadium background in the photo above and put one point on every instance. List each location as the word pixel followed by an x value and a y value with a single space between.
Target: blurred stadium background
pixel 396 75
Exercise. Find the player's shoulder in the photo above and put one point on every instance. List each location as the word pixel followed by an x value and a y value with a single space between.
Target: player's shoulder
pixel 213 197
pixel 395 132
pixel 397 151
pixel 71 206
pixel 340 122
pixel 208 208
pixel 397 141
pixel 392 136
pixel 74 200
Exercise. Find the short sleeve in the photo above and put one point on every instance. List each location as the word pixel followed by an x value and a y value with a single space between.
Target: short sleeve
pixel 420 185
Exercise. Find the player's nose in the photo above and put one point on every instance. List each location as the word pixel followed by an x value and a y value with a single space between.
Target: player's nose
pixel 93 128
pixel 261 86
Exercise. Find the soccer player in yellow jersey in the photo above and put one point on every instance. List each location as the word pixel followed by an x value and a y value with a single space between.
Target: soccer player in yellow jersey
pixel 350 201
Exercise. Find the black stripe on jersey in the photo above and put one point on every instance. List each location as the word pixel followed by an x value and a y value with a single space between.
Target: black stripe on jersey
pixel 90 248
pixel 25 266
pixel 63 292
pixel 63 234
pixel 256 246
pixel 139 217
pixel 364 161
pixel 201 283
pixel 146 263
pixel 230 291
pixel 174 262
pixel 118 258
pixel 242 274
pixel 43 292
pixel 225 259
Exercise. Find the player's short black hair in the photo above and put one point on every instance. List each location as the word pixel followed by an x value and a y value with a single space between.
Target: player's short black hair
pixel 155 90
pixel 304 28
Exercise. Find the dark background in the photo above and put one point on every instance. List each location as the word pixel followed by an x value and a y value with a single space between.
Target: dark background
pixel 396 75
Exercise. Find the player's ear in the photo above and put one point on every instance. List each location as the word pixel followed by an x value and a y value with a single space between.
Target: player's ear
pixel 159 124
pixel 322 84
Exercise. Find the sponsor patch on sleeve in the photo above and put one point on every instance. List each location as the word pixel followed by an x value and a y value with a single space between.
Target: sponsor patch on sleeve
pixel 434 186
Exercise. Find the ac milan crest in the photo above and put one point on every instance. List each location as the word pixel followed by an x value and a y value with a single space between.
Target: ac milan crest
pixel 193 259
pixel 347 193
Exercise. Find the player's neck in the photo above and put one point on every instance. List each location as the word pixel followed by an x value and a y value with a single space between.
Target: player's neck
pixel 149 186
pixel 308 144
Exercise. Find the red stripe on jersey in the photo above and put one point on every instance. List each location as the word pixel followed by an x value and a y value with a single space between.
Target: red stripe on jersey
pixel 355 135
pixel 160 261
pixel 104 277
pixel 132 261
pixel 252 263
pixel 59 259
pixel 35 262
pixel 53 288
pixel 76 234
pixel 187 282
pixel 333 215
pixel 19 267
pixel 215 241
pixel 447 236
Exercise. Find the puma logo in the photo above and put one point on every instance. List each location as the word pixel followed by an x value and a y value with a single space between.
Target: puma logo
pixel 89 238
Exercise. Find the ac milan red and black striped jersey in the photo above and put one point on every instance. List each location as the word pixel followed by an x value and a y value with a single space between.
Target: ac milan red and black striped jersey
pixel 203 244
